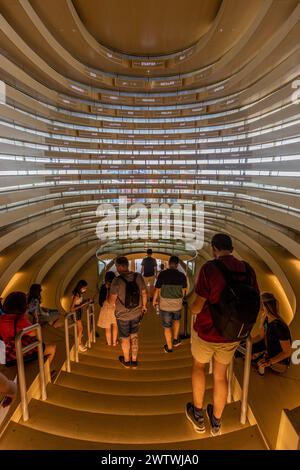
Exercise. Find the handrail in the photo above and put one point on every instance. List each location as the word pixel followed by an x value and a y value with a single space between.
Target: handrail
pixel 68 325
pixel 229 378
pixel 91 333
pixel 246 380
pixel 20 351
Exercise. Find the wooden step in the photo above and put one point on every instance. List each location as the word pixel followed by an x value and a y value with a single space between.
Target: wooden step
pixel 156 355
pixel 99 427
pixel 135 375
pixel 94 360
pixel 20 437
pixel 144 347
pixel 118 387
pixel 119 404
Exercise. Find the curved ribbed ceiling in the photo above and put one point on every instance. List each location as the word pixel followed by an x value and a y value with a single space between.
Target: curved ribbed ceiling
pixel 159 101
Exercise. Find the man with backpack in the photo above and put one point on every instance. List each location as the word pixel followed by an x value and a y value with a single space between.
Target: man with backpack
pixel 227 305
pixel 169 291
pixel 129 296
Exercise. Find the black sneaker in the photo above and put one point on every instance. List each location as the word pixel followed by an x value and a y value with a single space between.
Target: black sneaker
pixel 134 364
pixel 124 363
pixel 198 423
pixel 176 342
pixel 214 422
pixel 166 349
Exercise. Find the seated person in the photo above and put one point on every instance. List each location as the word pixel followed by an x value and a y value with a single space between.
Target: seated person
pixel 37 313
pixel 14 320
pixel 272 347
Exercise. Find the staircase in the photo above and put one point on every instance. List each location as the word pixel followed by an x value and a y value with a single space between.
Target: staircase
pixel 100 405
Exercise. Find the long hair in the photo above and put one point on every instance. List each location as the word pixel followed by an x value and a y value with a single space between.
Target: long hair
pixel 109 277
pixel 34 293
pixel 80 284
pixel 271 304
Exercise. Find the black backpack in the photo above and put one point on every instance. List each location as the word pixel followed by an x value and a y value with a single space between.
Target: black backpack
pixel 132 294
pixel 236 312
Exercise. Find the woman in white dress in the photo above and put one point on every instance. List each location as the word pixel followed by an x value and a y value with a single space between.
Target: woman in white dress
pixel 107 319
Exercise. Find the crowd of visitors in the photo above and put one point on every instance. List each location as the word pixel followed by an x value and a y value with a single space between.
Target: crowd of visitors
pixel 227 304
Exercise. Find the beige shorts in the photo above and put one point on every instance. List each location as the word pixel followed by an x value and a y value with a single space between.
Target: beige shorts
pixel 203 351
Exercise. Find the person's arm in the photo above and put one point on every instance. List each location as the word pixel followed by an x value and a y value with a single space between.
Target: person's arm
pixel 144 300
pixel 259 337
pixel 155 269
pixel 157 288
pixel 143 290
pixel 184 286
pixel 142 267
pixel 73 306
pixel 156 294
pixel 197 305
pixel 9 389
pixel 112 299
pixel 202 291
pixel 284 354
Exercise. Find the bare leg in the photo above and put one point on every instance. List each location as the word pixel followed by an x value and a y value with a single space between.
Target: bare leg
pixel 176 328
pixel 79 331
pixel 134 346
pixel 168 336
pixel 125 342
pixel 198 383
pixel 220 388
pixel 49 352
pixel 115 334
pixel 108 335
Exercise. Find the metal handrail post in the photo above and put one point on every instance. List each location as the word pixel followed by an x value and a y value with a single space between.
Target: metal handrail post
pixel 67 341
pixel 41 364
pixel 93 323
pixel 88 322
pixel 22 383
pixel 20 351
pixel 246 379
pixel 76 339
pixel 229 378
pixel 90 315
pixel 67 338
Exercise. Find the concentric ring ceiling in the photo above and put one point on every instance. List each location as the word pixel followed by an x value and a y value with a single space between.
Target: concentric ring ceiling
pixel 160 101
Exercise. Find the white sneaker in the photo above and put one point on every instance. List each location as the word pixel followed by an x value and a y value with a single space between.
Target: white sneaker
pixel 82 348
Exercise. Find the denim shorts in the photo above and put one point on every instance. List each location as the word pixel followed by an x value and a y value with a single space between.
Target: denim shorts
pixel 128 327
pixel 168 318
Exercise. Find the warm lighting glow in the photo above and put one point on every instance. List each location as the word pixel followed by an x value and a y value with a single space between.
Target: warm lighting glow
pixel 16 283
pixel 295 263
pixel 286 310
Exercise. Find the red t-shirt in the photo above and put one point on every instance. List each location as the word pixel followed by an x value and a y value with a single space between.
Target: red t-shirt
pixel 209 285
pixel 7 325
pixel 10 325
